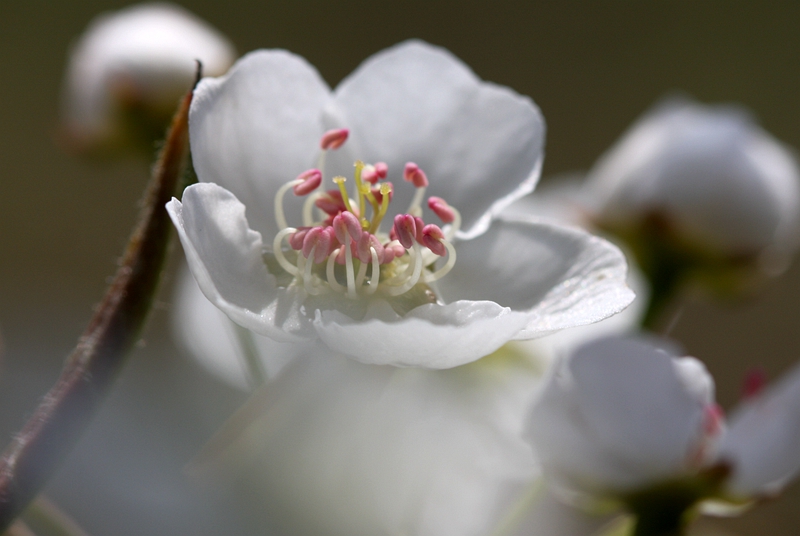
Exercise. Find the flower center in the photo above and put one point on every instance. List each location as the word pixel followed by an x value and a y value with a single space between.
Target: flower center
pixel 341 248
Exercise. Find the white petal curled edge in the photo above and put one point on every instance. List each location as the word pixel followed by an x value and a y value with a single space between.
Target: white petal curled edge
pixel 480 144
pixel 430 336
pixel 257 128
pixel 225 257
pixel 763 440
pixel 220 345
pixel 558 276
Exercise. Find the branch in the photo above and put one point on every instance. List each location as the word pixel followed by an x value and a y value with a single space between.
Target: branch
pixel 49 435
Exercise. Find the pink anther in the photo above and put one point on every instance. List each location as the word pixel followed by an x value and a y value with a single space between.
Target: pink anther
pixel 391 251
pixel 346 223
pixel 413 173
pixel 331 203
pixel 371 174
pixel 432 237
pixel 311 178
pixel 333 139
pixel 320 241
pixel 405 228
pixel 754 382
pixel 296 239
pixel 420 226
pixel 440 207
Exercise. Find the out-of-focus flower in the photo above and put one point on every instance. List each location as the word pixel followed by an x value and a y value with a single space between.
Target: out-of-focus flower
pixel 699 189
pixel 129 69
pixel 375 293
pixel 622 422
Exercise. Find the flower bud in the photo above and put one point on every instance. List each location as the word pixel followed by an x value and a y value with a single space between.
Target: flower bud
pixel 127 72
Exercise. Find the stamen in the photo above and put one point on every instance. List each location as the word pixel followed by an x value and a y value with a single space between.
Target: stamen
pixel 386 196
pixel 412 173
pixel 405 229
pixel 311 179
pixel 345 224
pixel 333 139
pixel 372 173
pixel 414 279
pixel 440 207
pixel 308 208
pixel 444 270
pixel 329 272
pixel 351 281
pixel 432 236
pixel 280 218
pixel 308 279
pixel 279 256
pixel 376 274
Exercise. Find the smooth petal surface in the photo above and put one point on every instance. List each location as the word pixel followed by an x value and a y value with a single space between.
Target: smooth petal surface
pixel 617 415
pixel 763 440
pixel 337 447
pixel 481 145
pixel 715 174
pixel 218 344
pixel 430 336
pixel 560 277
pixel 257 128
pixel 144 54
pixel 225 257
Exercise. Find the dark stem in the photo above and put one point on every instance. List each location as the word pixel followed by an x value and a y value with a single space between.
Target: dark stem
pixel 49 435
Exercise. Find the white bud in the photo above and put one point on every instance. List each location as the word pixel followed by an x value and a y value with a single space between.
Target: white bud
pixel 717 180
pixel 136 61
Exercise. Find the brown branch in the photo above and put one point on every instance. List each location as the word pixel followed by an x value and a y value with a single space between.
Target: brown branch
pixel 49 435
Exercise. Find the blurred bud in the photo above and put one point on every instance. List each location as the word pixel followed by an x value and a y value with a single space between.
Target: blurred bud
pixel 700 187
pixel 127 72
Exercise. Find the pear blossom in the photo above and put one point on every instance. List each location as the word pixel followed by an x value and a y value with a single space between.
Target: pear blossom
pixel 437 284
pixel 620 418
pixel 706 180
pixel 136 61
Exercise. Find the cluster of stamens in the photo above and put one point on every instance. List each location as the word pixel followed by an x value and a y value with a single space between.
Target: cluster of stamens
pixel 341 236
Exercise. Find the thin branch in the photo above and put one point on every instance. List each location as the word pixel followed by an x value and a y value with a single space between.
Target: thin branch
pixel 49 435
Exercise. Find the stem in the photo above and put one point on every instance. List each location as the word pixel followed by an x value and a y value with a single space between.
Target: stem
pixel 36 452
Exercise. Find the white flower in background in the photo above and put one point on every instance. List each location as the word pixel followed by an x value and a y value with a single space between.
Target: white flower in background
pixel 706 179
pixel 366 271
pixel 132 66
pixel 621 418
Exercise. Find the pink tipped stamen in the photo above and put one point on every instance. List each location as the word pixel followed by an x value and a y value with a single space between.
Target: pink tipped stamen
pixel 405 229
pixel 319 241
pixel 440 207
pixel 432 237
pixel 412 173
pixel 420 225
pixel 754 383
pixel 331 203
pixel 296 239
pixel 344 224
pixel 311 178
pixel 372 174
pixel 333 139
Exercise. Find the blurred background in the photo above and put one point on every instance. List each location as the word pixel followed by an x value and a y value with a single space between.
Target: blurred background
pixel 592 68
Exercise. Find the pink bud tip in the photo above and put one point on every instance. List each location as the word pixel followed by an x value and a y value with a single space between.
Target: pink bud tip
pixel 440 207
pixel 405 229
pixel 754 382
pixel 346 223
pixel 333 139
pixel 413 173
pixel 311 178
pixel 296 239
pixel 432 236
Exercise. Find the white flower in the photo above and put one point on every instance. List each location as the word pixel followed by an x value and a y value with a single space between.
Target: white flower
pixel 707 178
pixel 138 60
pixel 620 417
pixel 384 299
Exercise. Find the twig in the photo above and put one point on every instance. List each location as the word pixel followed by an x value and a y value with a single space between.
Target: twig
pixel 49 435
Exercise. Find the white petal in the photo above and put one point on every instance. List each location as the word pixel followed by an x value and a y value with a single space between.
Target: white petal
pixel 225 257
pixel 257 128
pixel 217 343
pixel 430 336
pixel 550 516
pixel 560 277
pixel 481 145
pixel 346 449
pixel 618 415
pixel 763 440
pixel 144 53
